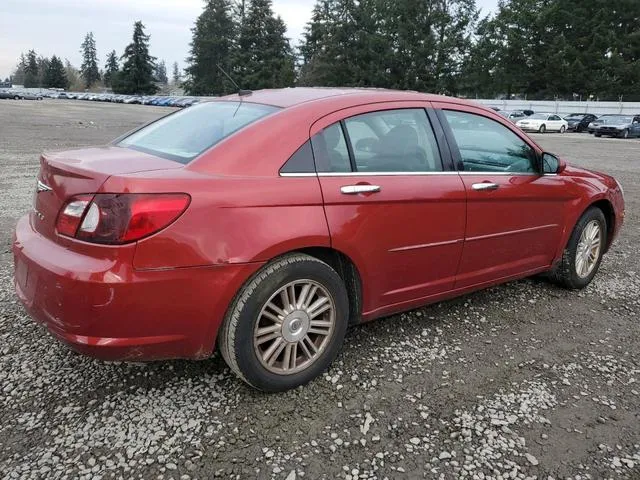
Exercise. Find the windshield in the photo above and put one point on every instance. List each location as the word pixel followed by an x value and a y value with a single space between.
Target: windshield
pixel 184 135
pixel 616 120
pixel 539 116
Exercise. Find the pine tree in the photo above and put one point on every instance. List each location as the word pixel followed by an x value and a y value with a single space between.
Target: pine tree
pixel 211 46
pixel 175 76
pixel 73 76
pixel 89 67
pixel 111 68
pixel 138 66
pixel 31 70
pixel 55 76
pixel 161 73
pixel 43 67
pixel 18 74
pixel 264 58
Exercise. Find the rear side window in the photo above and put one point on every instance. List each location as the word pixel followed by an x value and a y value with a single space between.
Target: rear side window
pixel 330 150
pixel 188 133
pixel 379 142
pixel 395 141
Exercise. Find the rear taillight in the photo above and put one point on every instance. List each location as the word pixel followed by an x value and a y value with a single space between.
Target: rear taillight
pixel 114 219
pixel 71 215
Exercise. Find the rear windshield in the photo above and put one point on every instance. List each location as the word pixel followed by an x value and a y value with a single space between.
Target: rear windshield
pixel 186 134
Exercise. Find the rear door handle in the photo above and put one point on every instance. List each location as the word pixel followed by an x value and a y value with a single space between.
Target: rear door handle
pixel 485 186
pixel 355 189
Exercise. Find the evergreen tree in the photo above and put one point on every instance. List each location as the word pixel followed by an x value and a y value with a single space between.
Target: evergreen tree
pixel 31 70
pixel 55 76
pixel 111 68
pixel 73 76
pixel 89 67
pixel 18 74
pixel 264 58
pixel 211 46
pixel 138 66
pixel 175 76
pixel 43 67
pixel 161 72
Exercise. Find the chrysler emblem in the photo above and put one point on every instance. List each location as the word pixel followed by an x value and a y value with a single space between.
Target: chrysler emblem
pixel 42 187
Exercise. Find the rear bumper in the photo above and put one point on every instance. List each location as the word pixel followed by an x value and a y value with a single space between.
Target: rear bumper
pixel 102 307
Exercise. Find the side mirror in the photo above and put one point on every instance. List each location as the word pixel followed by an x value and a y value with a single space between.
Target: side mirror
pixel 552 164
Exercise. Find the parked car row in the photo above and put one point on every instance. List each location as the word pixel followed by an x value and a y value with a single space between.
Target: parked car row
pixel 19 95
pixel 160 100
pixel 613 125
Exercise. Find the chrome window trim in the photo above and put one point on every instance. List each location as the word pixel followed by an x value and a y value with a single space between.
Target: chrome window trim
pixel 308 174
pixel 395 174
pixel 381 174
pixel 503 174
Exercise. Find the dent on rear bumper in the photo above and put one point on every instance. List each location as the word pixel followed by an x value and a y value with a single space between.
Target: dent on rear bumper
pixel 104 308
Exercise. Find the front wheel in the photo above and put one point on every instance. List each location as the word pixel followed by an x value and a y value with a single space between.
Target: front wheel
pixel 625 133
pixel 562 129
pixel 287 324
pixel 598 134
pixel 583 254
pixel 542 129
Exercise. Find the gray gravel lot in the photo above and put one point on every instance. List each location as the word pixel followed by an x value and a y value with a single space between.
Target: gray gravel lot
pixel 520 381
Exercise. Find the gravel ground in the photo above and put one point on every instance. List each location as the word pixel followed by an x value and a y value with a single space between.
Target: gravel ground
pixel 520 381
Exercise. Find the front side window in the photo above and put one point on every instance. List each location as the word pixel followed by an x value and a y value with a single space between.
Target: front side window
pixel 188 133
pixel 488 146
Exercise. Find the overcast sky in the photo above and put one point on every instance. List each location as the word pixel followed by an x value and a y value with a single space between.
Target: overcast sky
pixel 58 26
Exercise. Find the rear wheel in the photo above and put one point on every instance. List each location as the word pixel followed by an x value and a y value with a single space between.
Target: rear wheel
pixel 598 134
pixel 287 324
pixel 16 97
pixel 582 256
pixel 542 129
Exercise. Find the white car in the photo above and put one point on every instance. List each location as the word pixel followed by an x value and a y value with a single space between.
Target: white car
pixel 543 122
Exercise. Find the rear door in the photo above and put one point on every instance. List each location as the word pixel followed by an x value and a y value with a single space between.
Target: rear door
pixel 514 214
pixel 393 203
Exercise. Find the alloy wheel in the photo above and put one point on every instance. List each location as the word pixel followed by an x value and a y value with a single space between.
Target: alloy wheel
pixel 294 327
pixel 588 251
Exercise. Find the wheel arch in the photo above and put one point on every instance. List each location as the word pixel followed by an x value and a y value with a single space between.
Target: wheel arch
pixel 349 273
pixel 610 216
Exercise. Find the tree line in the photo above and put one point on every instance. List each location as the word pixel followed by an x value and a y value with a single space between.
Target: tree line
pixel 136 71
pixel 531 49
pixel 528 48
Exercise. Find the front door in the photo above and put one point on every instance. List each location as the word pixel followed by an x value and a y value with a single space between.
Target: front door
pixel 391 205
pixel 514 214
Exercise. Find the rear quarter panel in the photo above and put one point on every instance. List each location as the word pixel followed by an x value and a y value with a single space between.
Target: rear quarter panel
pixel 230 219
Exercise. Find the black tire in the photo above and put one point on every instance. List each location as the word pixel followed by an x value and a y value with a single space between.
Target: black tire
pixel 598 134
pixel 562 129
pixel 564 273
pixel 16 97
pixel 542 129
pixel 235 338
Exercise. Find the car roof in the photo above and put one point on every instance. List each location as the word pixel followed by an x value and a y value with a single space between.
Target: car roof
pixel 290 97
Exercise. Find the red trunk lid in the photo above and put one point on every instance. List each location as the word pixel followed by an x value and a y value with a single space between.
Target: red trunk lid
pixel 66 174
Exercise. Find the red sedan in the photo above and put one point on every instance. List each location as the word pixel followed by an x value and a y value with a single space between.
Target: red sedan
pixel 268 223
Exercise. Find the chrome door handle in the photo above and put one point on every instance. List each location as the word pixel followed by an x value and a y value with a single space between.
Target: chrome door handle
pixel 355 189
pixel 485 186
